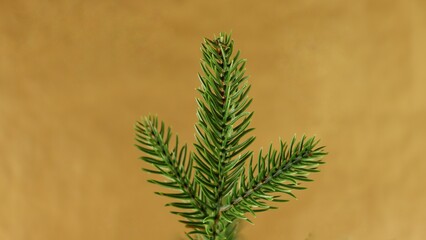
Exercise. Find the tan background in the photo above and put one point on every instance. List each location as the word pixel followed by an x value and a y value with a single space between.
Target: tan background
pixel 75 75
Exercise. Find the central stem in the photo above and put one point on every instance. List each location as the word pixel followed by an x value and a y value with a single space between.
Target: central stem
pixel 223 152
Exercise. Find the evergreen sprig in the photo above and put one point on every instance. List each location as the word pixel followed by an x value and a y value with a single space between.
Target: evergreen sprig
pixel 218 183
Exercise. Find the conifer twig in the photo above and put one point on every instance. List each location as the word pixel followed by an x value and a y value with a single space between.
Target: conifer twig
pixel 214 187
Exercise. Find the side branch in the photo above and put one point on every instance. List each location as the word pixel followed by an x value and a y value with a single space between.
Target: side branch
pixel 171 164
pixel 277 172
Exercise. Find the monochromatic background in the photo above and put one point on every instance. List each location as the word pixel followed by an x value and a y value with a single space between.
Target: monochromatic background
pixel 76 75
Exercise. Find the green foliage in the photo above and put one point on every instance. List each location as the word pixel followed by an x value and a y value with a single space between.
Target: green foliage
pixel 220 182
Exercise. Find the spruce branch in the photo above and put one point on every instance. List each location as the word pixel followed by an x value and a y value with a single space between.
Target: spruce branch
pixel 218 184
pixel 155 142
pixel 222 124
pixel 277 172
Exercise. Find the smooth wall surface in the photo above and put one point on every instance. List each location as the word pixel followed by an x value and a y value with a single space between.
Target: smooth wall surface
pixel 76 75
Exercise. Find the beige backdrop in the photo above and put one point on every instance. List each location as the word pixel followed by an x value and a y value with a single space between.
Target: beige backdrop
pixel 76 75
